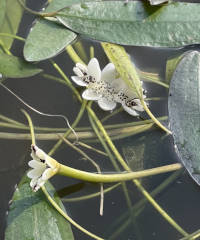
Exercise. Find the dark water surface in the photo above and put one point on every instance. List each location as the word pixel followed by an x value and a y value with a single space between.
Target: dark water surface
pixel 180 199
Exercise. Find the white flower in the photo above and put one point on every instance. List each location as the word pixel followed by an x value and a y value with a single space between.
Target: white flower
pixel 44 167
pixel 91 77
pixel 105 87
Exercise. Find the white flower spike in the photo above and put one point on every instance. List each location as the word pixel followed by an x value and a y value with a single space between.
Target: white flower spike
pixel 44 167
pixel 106 87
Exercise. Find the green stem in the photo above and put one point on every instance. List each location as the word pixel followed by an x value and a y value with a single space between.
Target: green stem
pixel 118 177
pixel 30 126
pixel 12 36
pixel 91 52
pixel 67 81
pixel 9 120
pixel 194 235
pixel 81 51
pixel 124 187
pixel 93 195
pixel 141 204
pixel 56 206
pixel 6 50
pixel 92 148
pixel 73 55
pixel 154 118
pixel 118 110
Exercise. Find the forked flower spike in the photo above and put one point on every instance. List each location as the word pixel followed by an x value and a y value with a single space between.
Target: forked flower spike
pixel 106 87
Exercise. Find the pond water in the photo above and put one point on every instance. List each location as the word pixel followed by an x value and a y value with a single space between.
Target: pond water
pixel 146 150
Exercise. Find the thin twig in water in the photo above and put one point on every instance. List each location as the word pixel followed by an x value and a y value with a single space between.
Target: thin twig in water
pixel 38 112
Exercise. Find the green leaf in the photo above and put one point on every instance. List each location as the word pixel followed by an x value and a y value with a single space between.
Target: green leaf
pixel 124 67
pixel 14 67
pixel 47 38
pixel 135 23
pixel 31 217
pixel 184 112
pixel 11 21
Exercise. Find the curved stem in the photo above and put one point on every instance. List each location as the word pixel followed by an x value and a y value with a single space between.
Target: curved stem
pixel 93 195
pixel 56 206
pixel 118 177
pixel 30 125
pixel 154 118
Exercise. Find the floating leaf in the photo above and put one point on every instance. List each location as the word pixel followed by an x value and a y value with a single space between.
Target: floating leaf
pixel 32 217
pixel 14 67
pixel 46 39
pixel 11 20
pixel 135 23
pixel 184 112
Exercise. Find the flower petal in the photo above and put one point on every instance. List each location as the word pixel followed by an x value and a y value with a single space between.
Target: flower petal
pixel 78 72
pixel 48 173
pixel 37 184
pixel 33 182
pixel 35 173
pixel 129 110
pixel 36 164
pixel 139 106
pixel 108 73
pixel 82 67
pixel 40 183
pixel 79 81
pixel 94 69
pixel 106 104
pixel 34 156
pixel 89 94
pixel 52 163
pixel 40 153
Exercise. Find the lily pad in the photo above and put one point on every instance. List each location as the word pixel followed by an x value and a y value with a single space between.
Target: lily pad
pixel 14 67
pixel 32 217
pixel 135 23
pixel 47 38
pixel 184 112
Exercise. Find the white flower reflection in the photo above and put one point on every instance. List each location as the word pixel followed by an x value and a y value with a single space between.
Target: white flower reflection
pixel 44 167
pixel 105 87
